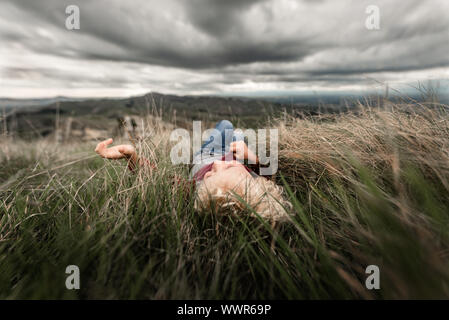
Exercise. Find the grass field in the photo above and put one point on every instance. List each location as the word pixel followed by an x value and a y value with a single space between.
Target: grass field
pixel 367 189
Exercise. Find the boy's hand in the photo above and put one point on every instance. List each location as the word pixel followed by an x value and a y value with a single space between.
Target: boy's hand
pixel 241 151
pixel 117 152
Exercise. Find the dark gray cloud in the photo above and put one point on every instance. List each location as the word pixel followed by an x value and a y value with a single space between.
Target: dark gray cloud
pixel 213 45
pixel 218 18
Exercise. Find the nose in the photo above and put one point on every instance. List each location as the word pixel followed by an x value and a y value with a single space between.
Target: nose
pixel 215 166
pixel 218 165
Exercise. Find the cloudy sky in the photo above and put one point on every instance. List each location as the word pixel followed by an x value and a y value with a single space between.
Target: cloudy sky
pixel 131 47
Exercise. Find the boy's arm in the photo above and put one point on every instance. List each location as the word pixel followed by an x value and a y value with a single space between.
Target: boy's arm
pixel 124 151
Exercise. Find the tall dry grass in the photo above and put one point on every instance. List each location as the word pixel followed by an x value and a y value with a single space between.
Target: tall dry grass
pixel 374 185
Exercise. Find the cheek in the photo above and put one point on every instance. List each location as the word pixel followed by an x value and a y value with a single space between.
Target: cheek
pixel 235 178
pixel 219 181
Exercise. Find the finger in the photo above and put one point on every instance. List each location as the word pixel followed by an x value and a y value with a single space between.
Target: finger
pixel 238 148
pixel 99 147
pixel 103 144
pixel 107 142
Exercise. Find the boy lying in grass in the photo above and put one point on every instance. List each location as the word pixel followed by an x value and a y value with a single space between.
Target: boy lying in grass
pixel 220 176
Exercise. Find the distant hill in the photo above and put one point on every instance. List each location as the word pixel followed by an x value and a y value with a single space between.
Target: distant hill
pixel 38 117
pixel 30 118
pixel 10 103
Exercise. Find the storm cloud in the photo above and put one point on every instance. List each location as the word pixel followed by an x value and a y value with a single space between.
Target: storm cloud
pixel 215 46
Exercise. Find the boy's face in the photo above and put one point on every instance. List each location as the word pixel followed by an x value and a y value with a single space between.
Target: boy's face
pixel 226 175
